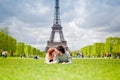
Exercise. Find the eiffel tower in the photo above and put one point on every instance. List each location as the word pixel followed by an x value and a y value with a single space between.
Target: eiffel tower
pixel 56 28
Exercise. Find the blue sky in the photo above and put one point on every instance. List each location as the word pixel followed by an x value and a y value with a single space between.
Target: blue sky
pixel 84 22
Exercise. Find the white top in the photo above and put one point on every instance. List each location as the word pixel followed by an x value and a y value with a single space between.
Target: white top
pixel 57 58
pixel 47 59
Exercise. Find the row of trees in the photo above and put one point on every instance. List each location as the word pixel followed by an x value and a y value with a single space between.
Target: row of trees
pixel 27 50
pixel 110 47
pixel 15 48
pixel 7 43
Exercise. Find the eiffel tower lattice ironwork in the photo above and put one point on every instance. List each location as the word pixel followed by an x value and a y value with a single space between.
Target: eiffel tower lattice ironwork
pixel 56 28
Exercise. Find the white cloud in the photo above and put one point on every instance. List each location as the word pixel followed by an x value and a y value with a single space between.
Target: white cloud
pixel 84 21
pixel 37 9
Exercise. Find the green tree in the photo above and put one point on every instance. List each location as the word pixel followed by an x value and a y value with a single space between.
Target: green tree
pixel 42 53
pixel 84 51
pixel 27 50
pixel 98 49
pixel 5 30
pixel 20 49
pixel 112 46
pixel 7 43
pixel 89 50
pixel 108 45
pixel 73 53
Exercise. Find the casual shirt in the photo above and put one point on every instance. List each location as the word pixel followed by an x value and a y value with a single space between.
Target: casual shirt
pixel 64 58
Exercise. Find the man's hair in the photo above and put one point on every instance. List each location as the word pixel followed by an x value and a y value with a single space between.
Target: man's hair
pixel 61 48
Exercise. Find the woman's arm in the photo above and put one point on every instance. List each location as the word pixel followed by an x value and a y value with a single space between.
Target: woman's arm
pixel 47 59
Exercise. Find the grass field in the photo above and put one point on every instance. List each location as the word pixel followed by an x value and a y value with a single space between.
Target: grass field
pixel 80 69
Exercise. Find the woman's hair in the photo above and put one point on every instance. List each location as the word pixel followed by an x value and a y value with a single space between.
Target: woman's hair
pixel 50 51
pixel 61 48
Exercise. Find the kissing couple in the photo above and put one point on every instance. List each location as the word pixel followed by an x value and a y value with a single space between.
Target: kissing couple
pixel 58 55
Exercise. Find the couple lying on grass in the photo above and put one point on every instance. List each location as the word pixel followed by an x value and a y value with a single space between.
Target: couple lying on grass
pixel 57 55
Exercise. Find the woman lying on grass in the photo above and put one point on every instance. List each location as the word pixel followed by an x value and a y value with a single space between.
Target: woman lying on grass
pixel 59 56
pixel 50 56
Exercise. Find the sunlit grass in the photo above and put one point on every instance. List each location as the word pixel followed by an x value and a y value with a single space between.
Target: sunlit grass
pixel 80 69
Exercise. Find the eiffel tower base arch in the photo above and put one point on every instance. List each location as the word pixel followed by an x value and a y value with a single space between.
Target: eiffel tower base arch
pixel 56 44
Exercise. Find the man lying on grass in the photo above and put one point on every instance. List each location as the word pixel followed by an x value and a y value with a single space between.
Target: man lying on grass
pixel 58 55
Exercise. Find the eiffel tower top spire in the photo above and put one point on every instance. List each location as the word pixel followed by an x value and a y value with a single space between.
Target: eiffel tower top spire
pixel 57 13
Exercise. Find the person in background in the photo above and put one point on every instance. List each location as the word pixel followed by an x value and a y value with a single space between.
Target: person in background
pixel 36 57
pixel 50 56
pixel 4 54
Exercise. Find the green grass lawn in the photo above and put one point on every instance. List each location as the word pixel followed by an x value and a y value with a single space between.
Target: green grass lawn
pixel 80 69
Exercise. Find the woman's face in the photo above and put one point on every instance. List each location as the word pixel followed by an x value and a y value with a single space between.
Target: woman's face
pixel 56 51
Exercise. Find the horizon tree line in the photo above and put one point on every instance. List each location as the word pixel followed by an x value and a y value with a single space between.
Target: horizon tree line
pixel 110 47
pixel 15 48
